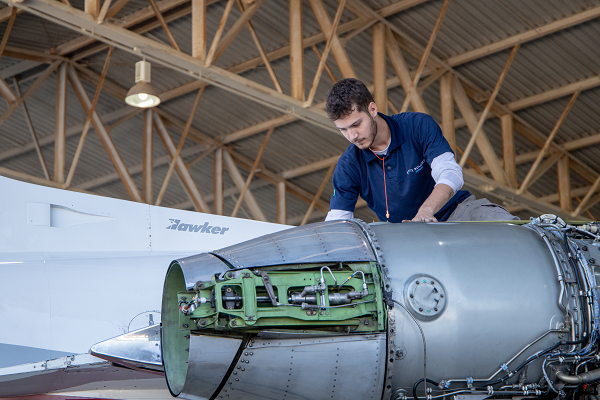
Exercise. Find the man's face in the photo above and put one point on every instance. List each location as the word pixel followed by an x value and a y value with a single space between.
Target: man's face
pixel 358 127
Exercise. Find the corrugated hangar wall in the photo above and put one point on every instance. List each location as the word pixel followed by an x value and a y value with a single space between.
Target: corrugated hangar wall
pixel 256 69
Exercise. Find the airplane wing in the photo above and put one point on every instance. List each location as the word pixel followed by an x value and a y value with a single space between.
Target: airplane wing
pixel 78 269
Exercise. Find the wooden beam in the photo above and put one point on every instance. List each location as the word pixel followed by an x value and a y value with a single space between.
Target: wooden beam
pixel 237 27
pixel 564 183
pixel 523 37
pixel 508 149
pixel 199 29
pixel 92 7
pixel 251 173
pixel 526 182
pixel 34 137
pixel 184 174
pixel 447 109
pixel 317 195
pixel 239 182
pixel 11 22
pixel 325 65
pixel 107 142
pixel 148 158
pixel 328 45
pixel 164 24
pixel 587 197
pixel 88 119
pixel 484 145
pixel 60 124
pixel 215 43
pixel 424 58
pixel 296 50
pixel 261 51
pixel 114 9
pixel 379 70
pixel 176 157
pixel 218 202
pixel 308 168
pixel 488 106
pixel 337 50
pixel 209 150
pixel 402 71
pixel 103 11
pixel 281 203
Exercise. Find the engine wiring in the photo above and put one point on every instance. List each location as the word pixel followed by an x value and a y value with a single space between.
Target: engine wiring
pixel 580 352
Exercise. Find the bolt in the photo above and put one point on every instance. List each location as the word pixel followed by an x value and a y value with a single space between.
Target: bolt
pixel 418 283
pixel 188 350
pixel 321 313
pixel 186 336
pixel 432 282
pixel 592 261
pixel 228 290
pixel 442 296
pixel 202 322
pixel 435 309
pixel 233 323
pixel 584 248
pixel 246 353
pixel 366 321
pixel 185 325
pixel 251 318
pixel 420 309
pixel 229 275
pixel 412 296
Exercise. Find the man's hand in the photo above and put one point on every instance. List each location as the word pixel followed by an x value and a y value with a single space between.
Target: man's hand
pixel 424 215
pixel 439 196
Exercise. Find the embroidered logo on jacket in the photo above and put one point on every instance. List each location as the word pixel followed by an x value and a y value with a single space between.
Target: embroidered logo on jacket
pixel 417 168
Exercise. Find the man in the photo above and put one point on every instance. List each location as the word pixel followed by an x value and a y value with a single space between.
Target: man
pixel 401 165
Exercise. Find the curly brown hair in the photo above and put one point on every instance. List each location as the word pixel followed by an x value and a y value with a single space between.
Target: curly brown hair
pixel 344 96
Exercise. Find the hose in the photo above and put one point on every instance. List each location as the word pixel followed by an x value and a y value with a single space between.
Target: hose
pixel 581 378
pixel 416 385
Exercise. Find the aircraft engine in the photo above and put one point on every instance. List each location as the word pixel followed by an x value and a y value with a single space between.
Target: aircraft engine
pixel 346 310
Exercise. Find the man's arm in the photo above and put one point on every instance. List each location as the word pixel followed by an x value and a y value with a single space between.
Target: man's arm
pixel 449 179
pixel 439 196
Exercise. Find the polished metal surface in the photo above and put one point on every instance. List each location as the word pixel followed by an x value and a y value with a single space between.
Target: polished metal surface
pixel 200 267
pixel 338 367
pixel 210 358
pixel 501 287
pixel 137 349
pixel 326 242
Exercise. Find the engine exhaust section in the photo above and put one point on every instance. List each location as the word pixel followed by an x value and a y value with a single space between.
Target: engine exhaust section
pixel 346 310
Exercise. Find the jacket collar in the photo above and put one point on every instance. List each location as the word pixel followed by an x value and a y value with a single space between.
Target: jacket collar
pixel 397 138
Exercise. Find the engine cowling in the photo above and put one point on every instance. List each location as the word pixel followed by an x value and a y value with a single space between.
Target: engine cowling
pixel 342 310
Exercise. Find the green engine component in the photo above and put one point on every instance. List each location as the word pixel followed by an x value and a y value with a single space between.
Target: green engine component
pixel 347 298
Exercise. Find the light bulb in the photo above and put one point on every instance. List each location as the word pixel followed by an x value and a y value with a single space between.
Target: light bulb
pixel 143 96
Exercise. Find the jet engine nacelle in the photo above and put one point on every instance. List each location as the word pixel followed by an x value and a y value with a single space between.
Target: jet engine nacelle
pixel 344 310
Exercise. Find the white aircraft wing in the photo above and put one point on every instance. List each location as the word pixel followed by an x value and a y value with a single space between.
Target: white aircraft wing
pixel 78 269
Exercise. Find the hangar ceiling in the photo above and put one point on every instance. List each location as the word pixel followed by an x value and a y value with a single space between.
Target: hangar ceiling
pixel 241 129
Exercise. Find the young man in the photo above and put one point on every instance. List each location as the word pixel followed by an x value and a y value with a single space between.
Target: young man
pixel 401 165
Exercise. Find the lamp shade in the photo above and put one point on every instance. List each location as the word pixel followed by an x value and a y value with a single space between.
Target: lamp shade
pixel 142 95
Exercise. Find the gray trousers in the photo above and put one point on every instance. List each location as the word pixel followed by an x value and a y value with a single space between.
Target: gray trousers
pixel 472 209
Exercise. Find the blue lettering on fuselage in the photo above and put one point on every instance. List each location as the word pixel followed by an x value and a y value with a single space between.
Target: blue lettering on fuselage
pixel 206 228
